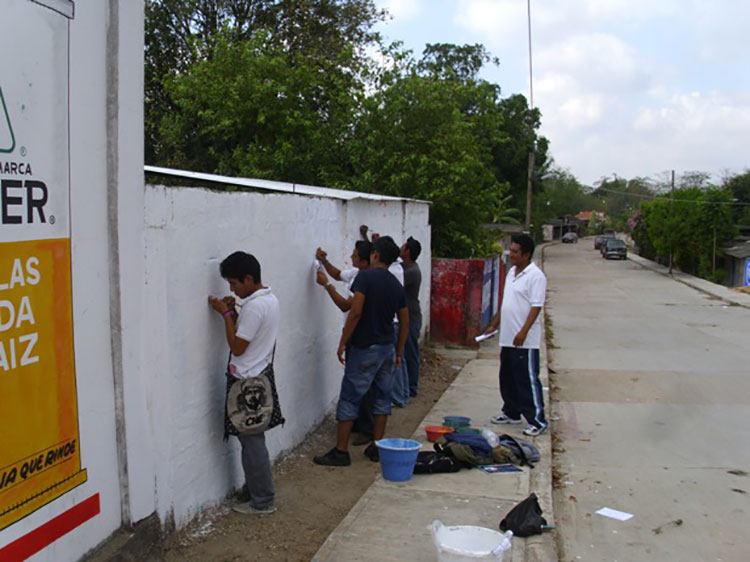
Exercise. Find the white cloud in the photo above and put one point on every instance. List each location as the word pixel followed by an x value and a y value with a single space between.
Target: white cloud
pixel 553 82
pixel 566 105
pixel 581 111
pixel 632 87
pixel 504 23
pixel 499 22
pixel 691 113
pixel 597 60
pixel 402 10
pixel 627 10
pixel 686 131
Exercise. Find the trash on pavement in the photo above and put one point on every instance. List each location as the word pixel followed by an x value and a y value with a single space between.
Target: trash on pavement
pixel 525 519
pixel 498 468
pixel 614 514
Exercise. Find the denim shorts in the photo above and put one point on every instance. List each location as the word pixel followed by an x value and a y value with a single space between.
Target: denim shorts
pixel 366 367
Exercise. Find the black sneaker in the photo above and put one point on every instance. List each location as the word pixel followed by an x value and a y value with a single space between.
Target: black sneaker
pixel 372 453
pixel 334 457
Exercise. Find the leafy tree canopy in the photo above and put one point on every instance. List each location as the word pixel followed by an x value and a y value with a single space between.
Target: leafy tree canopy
pixel 692 226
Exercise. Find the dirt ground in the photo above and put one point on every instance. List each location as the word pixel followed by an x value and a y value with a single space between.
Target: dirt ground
pixel 311 499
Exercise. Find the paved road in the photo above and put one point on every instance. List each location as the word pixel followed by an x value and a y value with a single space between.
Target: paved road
pixel 653 400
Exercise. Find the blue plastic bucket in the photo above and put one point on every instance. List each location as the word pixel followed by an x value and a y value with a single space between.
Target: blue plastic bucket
pixel 397 458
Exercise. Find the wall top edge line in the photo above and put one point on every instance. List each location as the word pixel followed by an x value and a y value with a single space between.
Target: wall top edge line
pixel 280 187
pixel 65 8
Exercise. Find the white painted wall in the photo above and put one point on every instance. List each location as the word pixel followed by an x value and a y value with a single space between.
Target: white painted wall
pixel 188 232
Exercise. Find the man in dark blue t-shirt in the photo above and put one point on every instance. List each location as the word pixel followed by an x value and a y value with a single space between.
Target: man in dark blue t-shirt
pixel 371 357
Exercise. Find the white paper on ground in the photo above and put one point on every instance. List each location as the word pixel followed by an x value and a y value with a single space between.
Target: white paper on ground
pixel 483 337
pixel 614 514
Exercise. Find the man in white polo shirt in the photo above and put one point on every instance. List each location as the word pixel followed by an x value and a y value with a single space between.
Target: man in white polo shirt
pixel 251 336
pixel 520 337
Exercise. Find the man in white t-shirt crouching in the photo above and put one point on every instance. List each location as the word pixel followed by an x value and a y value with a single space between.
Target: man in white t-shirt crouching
pixel 251 336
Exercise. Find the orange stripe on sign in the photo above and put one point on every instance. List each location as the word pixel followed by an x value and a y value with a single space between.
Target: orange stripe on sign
pixel 41 537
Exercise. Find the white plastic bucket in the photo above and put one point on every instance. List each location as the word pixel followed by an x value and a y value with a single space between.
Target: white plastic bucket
pixel 466 543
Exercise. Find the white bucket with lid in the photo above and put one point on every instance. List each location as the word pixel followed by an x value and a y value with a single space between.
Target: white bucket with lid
pixel 467 543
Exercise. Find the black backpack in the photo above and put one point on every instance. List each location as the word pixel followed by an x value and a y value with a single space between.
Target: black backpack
pixel 526 452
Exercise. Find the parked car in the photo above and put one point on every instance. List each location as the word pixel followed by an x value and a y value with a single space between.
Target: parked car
pixel 615 248
pixel 570 238
pixel 600 238
pixel 603 247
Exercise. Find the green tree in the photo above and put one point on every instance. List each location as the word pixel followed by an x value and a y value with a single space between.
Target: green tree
pixel 434 130
pixel 413 140
pixel 518 138
pixel 248 111
pixel 739 186
pixel 446 61
pixel 563 195
pixel 505 213
pixel 692 226
pixel 621 197
pixel 312 33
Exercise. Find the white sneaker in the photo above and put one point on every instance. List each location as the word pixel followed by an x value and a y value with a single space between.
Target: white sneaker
pixel 248 509
pixel 534 431
pixel 502 419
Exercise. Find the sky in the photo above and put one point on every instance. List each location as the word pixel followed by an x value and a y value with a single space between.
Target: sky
pixel 628 87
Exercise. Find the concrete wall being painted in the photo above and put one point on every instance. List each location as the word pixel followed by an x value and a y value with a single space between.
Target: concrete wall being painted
pixel 189 231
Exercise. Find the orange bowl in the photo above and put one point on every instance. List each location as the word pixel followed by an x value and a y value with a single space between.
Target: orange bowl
pixel 435 432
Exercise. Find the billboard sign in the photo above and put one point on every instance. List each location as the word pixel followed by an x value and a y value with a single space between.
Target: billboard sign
pixel 40 456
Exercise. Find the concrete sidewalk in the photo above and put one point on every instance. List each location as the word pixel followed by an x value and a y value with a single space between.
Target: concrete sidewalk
pixel 719 291
pixel 390 520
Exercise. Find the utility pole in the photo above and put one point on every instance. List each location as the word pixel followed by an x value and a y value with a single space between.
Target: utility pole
pixel 671 220
pixel 530 179
pixel 713 258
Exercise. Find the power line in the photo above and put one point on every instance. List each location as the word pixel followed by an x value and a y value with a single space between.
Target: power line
pixel 652 197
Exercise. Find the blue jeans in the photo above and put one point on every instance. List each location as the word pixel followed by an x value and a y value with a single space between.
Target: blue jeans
pixel 411 355
pixel 366 367
pixel 400 376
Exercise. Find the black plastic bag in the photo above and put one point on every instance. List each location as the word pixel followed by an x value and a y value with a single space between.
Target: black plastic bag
pixel 429 462
pixel 525 519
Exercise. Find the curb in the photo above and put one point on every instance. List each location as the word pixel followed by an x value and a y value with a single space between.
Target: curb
pixel 547 548
pixel 718 291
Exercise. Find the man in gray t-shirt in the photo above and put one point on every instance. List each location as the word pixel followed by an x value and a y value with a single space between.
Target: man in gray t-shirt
pixel 412 282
